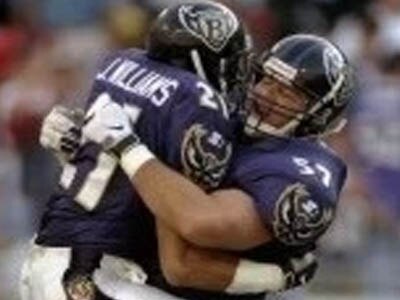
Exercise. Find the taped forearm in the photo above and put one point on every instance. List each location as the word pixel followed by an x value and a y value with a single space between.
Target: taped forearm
pixel 254 277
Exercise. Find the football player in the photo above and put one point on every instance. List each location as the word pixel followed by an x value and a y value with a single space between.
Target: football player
pixel 166 92
pixel 281 169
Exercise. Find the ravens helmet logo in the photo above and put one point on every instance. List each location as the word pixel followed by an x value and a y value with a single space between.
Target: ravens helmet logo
pixel 213 27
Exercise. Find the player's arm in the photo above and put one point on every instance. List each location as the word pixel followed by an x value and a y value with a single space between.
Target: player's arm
pixel 224 219
pixel 175 254
pixel 298 214
pixel 208 220
pixel 280 209
pixel 185 265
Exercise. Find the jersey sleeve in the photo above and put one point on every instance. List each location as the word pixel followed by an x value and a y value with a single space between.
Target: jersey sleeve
pixel 297 213
pixel 200 135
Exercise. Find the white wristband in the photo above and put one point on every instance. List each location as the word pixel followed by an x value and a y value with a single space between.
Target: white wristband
pixel 253 277
pixel 133 159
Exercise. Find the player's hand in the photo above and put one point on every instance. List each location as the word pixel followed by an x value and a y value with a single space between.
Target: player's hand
pixel 300 270
pixel 61 132
pixel 107 124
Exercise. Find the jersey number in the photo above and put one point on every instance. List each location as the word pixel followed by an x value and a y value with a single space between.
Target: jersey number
pixel 93 185
pixel 314 169
pixel 210 99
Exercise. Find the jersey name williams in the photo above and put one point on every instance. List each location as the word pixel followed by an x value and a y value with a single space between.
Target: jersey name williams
pixel 133 78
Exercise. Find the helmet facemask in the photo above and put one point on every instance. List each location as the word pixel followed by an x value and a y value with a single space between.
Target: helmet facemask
pixel 229 72
pixel 236 78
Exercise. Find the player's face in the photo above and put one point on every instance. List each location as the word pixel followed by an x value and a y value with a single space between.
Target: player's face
pixel 275 102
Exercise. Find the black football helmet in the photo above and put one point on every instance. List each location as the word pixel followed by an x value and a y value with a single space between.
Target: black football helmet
pixel 312 67
pixel 204 37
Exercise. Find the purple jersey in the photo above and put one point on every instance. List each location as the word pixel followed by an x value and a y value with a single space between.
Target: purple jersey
pixel 185 123
pixel 179 117
pixel 295 185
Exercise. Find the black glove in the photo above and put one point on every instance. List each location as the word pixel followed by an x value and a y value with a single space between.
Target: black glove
pixel 299 270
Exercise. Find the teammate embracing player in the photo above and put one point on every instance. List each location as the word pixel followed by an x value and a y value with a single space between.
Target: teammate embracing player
pixel 280 193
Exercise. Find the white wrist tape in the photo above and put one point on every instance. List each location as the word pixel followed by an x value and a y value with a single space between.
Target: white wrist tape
pixel 252 277
pixel 133 159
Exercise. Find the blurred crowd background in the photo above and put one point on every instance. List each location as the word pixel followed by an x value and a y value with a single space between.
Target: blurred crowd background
pixel 49 48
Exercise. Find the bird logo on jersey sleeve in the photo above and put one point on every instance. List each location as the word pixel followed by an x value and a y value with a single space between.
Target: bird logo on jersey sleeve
pixel 205 155
pixel 298 219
